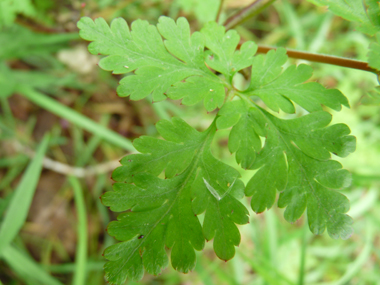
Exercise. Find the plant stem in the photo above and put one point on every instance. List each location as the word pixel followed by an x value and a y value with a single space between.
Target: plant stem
pixel 322 58
pixel 247 12
pixel 219 11
pixel 259 5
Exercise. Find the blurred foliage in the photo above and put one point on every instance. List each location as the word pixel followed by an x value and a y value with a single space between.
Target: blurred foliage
pixel 9 9
pixel 40 53
pixel 365 14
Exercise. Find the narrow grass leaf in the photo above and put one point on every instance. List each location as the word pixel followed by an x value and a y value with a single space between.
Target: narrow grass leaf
pixel 356 265
pixel 81 250
pixel 75 118
pixel 19 206
pixel 70 267
pixel 27 268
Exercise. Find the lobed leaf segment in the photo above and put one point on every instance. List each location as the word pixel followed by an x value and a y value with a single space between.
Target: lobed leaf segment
pixel 374 54
pixel 292 157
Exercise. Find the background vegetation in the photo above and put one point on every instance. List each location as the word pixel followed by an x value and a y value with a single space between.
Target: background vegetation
pixel 63 130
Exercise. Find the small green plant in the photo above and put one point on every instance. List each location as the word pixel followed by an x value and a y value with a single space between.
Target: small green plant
pixel 292 156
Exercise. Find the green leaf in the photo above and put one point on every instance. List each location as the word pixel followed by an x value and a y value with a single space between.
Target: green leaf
pixel 204 10
pixel 162 189
pixel 223 56
pixel 156 64
pixel 296 161
pixel 163 212
pixel 279 90
pixel 194 89
pixel 373 12
pixel 374 53
pixel 172 155
pixel 365 13
pixel 244 137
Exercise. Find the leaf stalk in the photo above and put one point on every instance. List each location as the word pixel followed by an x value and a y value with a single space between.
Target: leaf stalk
pixel 244 14
pixel 258 6
pixel 219 11
pixel 322 58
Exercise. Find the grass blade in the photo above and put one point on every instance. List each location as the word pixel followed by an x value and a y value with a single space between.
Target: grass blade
pixel 12 173
pixel 355 266
pixel 301 275
pixel 81 250
pixel 22 198
pixel 75 118
pixel 70 267
pixel 27 268
pixel 265 270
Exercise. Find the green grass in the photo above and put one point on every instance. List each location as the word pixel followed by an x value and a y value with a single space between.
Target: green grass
pixel 17 210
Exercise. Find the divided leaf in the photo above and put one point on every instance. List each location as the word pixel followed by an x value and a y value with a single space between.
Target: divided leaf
pixel 373 12
pixel 244 137
pixel 172 155
pixel 279 90
pixel 163 211
pixel 169 61
pixel 194 89
pixel 215 190
pixel 157 65
pixel 203 10
pixel 223 56
pixel 296 161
